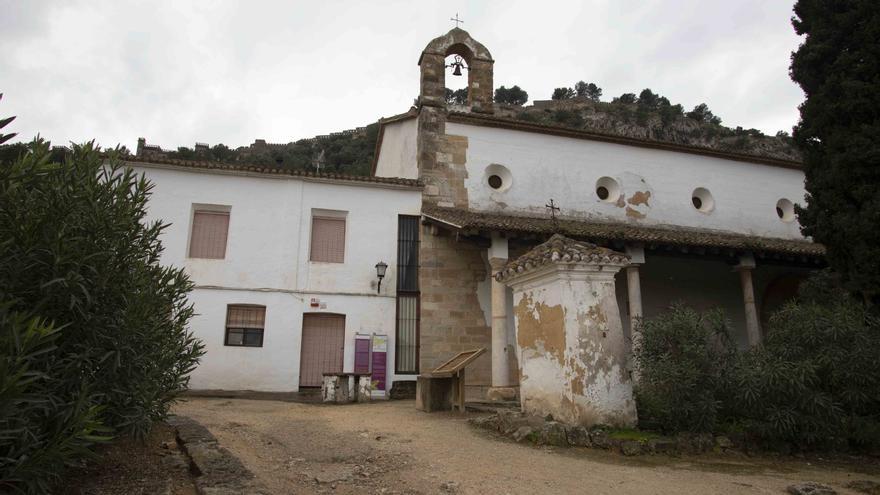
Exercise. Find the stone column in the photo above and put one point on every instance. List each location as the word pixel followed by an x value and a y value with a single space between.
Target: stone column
pixel 501 389
pixel 636 254
pixel 569 334
pixel 634 290
pixel 634 293
pixel 753 325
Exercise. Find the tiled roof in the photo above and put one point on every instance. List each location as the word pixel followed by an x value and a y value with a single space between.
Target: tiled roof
pixel 514 124
pixel 262 169
pixel 606 231
pixel 561 250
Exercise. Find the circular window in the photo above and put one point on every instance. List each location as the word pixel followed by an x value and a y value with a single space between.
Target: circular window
pixel 608 189
pixel 785 210
pixel 495 181
pixel 498 177
pixel 702 200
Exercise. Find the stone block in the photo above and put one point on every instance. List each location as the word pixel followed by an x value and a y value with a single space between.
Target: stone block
pixel 365 388
pixel 485 422
pixel 600 439
pixel 523 433
pixel 631 447
pixel 501 394
pixel 403 389
pixel 578 436
pixel 661 445
pixel 553 433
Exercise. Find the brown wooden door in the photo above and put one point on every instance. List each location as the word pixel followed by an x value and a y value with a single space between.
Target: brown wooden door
pixel 323 339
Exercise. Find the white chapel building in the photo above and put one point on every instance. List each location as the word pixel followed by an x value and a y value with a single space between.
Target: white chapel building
pixel 285 263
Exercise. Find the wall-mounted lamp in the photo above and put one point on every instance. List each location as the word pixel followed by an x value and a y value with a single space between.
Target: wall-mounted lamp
pixel 380 272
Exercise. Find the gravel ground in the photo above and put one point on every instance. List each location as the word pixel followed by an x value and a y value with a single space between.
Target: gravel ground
pixel 390 448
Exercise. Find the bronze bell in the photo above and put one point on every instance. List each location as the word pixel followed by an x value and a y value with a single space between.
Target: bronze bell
pixel 457 69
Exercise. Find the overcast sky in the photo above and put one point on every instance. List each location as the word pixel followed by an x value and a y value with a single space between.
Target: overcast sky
pixel 178 72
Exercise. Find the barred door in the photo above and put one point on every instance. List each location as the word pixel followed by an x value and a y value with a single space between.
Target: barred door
pixel 323 339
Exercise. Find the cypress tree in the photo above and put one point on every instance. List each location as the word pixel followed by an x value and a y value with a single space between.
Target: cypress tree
pixel 838 68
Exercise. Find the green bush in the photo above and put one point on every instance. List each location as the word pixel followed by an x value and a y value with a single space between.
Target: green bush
pixel 815 382
pixel 684 362
pixel 94 329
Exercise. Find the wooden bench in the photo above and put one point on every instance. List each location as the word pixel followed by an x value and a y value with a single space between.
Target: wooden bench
pixel 443 388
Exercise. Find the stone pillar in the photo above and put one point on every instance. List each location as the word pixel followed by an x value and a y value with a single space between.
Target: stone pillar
pixel 501 389
pixel 569 334
pixel 634 299
pixel 753 324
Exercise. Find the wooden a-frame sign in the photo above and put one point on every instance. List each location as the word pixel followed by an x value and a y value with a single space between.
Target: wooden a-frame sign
pixel 451 371
pixel 457 363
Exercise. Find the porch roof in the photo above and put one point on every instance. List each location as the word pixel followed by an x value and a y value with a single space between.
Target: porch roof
pixel 713 241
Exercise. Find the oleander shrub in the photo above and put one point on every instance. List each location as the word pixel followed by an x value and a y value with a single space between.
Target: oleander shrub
pixel 815 381
pixel 94 329
pixel 684 364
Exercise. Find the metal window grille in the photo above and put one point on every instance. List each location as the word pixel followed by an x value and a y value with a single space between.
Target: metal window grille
pixel 408 253
pixel 407 332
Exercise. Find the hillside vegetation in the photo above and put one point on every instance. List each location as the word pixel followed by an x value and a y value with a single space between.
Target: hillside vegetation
pixel 656 122
pixel 647 116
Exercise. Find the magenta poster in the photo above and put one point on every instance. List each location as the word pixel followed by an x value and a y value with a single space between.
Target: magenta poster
pixel 362 345
pixel 380 353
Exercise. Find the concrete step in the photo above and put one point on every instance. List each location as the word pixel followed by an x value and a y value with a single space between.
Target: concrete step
pixel 491 406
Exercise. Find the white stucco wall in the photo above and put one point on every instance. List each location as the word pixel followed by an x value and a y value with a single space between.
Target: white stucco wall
pixel 397 155
pixel 567 169
pixel 267 263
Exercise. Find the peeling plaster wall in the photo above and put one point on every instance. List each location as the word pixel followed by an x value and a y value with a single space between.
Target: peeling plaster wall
pixel 397 155
pixel 572 350
pixel 656 185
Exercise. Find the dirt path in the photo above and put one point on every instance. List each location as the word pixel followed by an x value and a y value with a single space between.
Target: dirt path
pixel 389 447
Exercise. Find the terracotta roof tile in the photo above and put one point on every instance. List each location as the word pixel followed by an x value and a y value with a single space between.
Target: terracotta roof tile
pixel 606 231
pixel 268 170
pixel 561 250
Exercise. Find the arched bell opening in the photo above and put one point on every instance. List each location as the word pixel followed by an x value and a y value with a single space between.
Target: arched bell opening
pixel 457 62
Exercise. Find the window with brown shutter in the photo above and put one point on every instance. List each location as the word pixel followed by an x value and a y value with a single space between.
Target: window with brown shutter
pixel 209 232
pixel 328 239
pixel 244 325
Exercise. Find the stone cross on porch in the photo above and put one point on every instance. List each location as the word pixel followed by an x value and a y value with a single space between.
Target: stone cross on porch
pixel 553 209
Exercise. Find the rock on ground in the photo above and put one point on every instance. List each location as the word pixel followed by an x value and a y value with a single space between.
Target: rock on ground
pixel 811 488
